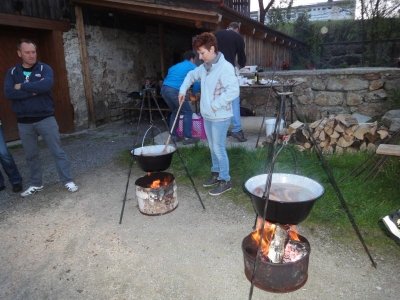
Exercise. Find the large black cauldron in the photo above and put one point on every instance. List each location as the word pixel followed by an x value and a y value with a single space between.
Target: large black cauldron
pixel 154 158
pixel 290 206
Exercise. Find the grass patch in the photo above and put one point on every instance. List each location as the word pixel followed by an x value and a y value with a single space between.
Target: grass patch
pixel 14 146
pixel 124 158
pixel 368 200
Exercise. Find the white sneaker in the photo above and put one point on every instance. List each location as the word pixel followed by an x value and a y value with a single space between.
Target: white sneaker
pixel 31 190
pixel 71 186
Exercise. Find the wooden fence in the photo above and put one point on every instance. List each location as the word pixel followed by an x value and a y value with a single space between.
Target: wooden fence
pixel 266 54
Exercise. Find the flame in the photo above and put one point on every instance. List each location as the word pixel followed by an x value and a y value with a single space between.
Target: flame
pixel 157 183
pixel 268 234
pixel 293 233
pixel 269 231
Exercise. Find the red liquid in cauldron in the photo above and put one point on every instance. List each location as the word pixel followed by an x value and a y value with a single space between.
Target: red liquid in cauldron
pixel 285 192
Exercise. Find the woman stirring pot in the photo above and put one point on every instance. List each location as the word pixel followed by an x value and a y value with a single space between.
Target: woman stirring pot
pixel 219 87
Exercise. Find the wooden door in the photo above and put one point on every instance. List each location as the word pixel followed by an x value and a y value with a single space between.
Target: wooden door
pixel 50 51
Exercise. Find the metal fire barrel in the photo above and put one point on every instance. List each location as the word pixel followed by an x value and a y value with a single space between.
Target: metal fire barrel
pixel 156 201
pixel 275 277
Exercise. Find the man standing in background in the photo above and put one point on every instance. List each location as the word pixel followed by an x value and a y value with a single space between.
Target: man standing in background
pixel 28 85
pixel 231 44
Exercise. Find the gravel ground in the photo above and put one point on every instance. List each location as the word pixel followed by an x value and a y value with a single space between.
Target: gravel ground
pixel 58 245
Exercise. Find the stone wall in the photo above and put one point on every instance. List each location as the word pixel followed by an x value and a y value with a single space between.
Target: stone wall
pixel 75 79
pixel 317 93
pixel 119 61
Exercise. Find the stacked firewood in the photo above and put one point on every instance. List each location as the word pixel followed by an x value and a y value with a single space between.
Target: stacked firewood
pixel 339 133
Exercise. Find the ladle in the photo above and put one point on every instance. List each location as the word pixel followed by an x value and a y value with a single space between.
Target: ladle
pixel 173 126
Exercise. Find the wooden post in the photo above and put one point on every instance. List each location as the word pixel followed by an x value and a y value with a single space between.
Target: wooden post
pixel 162 59
pixel 85 65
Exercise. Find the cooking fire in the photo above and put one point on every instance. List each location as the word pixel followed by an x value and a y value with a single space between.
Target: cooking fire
pixel 156 193
pixel 276 256
pixel 282 265
pixel 279 244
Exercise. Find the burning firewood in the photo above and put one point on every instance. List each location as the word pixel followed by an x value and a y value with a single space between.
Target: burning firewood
pixel 280 243
pixel 277 246
pixel 294 251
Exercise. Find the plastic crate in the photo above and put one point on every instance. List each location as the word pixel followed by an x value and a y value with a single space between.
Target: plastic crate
pixel 197 127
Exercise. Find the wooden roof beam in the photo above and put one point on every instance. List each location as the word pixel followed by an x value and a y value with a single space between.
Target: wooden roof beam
pixel 145 8
pixel 31 22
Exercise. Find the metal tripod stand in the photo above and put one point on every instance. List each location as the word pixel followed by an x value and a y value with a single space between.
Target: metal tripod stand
pixel 273 152
pixel 148 95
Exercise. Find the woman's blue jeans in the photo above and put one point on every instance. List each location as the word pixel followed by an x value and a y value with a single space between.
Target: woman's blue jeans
pixel 216 137
pixel 8 163
pixel 170 95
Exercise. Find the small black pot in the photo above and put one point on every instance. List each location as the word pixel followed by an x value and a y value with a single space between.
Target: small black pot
pixel 281 211
pixel 154 158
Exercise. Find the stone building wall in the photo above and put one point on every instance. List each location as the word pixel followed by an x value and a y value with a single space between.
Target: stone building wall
pixel 318 93
pixel 75 79
pixel 119 62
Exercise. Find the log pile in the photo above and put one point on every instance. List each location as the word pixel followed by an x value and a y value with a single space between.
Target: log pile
pixel 340 133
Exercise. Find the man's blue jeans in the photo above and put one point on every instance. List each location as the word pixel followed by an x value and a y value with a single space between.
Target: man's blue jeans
pixel 236 123
pixel 216 137
pixel 8 163
pixel 48 130
pixel 170 95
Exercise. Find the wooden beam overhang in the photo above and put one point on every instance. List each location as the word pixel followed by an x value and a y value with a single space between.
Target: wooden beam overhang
pixel 150 9
pixel 31 22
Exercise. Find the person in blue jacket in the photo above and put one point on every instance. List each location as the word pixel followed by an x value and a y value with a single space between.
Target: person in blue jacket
pixel 169 92
pixel 28 85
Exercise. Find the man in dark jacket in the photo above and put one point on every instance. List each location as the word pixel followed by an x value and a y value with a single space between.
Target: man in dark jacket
pixel 28 85
pixel 231 44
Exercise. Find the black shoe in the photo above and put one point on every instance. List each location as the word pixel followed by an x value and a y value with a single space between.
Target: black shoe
pixel 239 136
pixel 223 186
pixel 2 187
pixel 392 223
pixel 188 141
pixel 16 188
pixel 229 133
pixel 213 180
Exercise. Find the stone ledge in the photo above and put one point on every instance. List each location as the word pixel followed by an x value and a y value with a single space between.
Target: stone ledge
pixel 343 71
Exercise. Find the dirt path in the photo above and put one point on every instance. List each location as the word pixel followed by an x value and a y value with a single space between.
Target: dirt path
pixel 58 245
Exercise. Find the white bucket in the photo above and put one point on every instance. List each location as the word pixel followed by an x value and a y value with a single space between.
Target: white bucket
pixel 270 126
